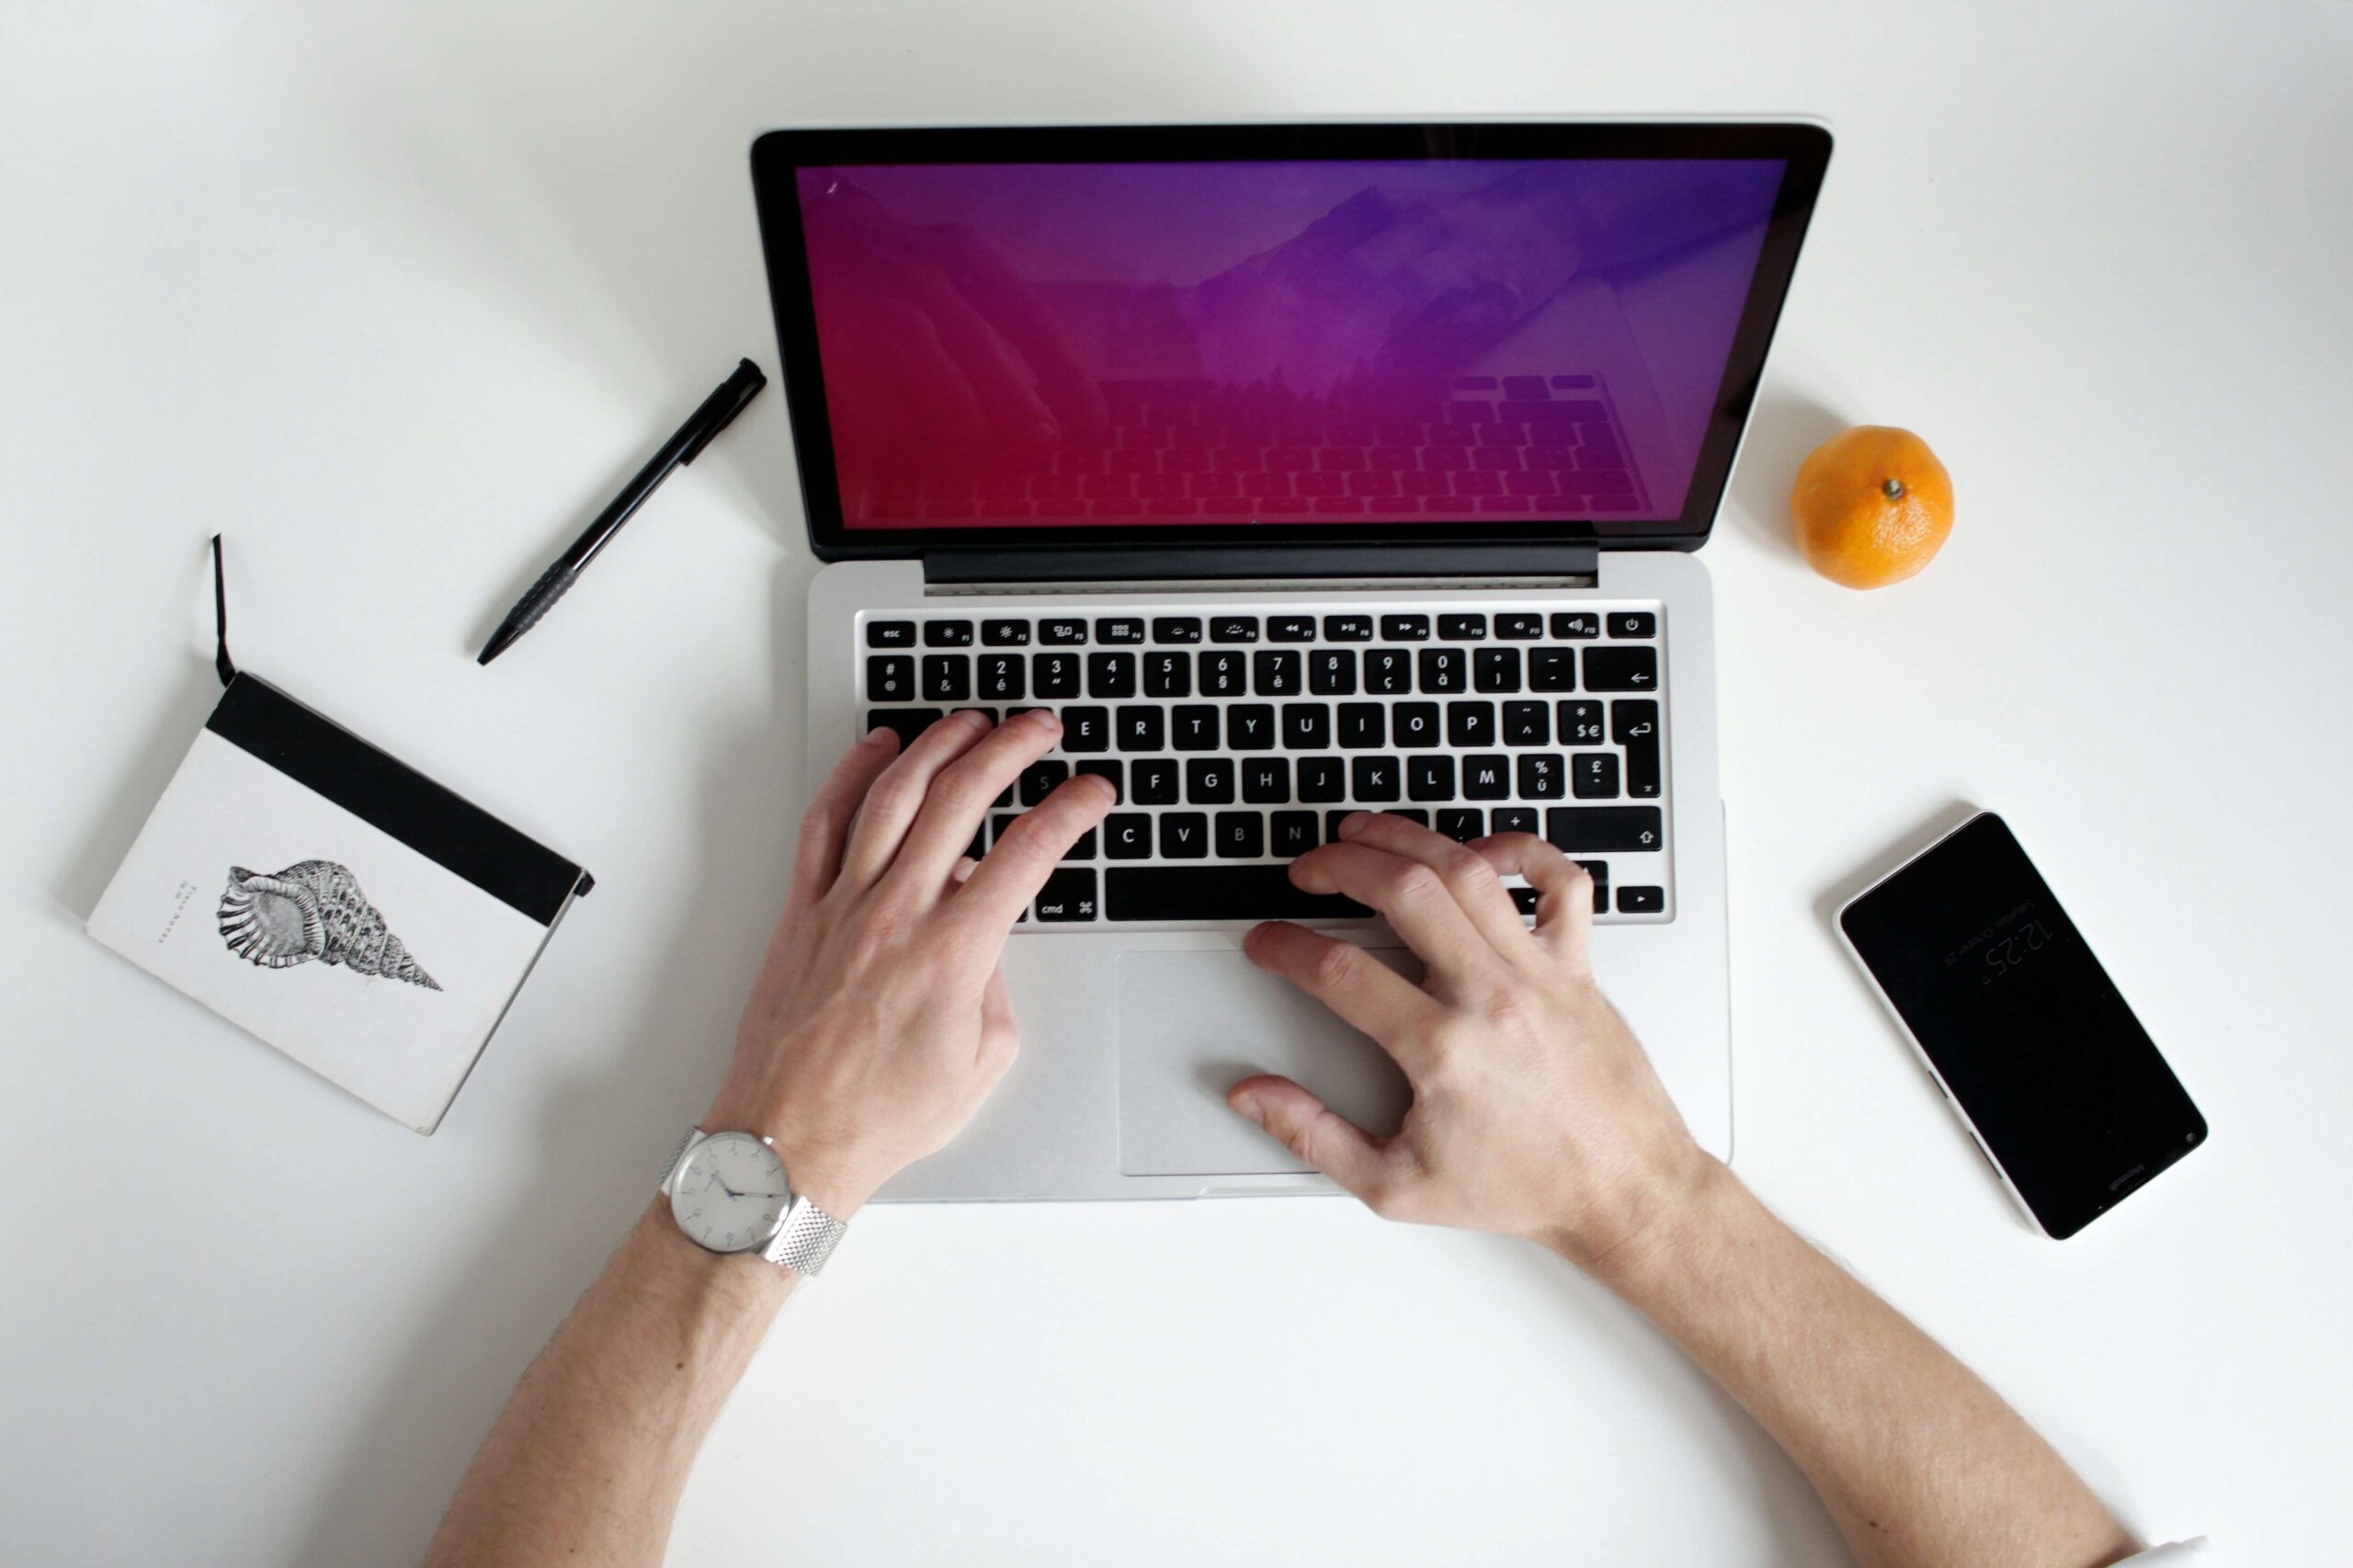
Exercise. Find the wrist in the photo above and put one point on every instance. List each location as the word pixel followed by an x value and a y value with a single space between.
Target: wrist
pixel 818 1168
pixel 1685 1222
pixel 1644 1219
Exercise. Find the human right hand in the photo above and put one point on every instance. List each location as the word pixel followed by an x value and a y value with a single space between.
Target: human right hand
pixel 1535 1111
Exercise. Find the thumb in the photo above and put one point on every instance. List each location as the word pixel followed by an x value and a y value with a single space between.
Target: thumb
pixel 1309 1129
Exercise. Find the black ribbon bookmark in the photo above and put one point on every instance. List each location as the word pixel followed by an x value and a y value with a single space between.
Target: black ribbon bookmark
pixel 220 660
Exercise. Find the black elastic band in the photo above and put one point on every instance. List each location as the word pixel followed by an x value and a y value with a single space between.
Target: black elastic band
pixel 220 660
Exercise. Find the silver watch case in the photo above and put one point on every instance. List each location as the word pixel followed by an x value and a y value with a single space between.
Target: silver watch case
pixel 805 1236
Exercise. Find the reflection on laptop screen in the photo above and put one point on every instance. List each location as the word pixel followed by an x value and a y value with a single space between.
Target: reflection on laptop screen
pixel 1032 345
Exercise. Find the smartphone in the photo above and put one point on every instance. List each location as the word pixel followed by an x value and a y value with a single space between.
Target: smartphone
pixel 2063 1090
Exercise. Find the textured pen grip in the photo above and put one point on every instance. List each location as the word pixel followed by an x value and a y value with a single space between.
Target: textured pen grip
pixel 553 584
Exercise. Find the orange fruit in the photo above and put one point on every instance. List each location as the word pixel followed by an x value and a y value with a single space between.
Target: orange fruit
pixel 1872 506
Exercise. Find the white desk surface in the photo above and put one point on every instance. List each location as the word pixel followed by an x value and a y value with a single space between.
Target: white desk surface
pixel 396 303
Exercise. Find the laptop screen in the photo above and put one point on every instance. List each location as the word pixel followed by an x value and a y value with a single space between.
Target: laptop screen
pixel 1427 344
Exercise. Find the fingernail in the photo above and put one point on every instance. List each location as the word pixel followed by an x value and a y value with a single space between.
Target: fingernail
pixel 1249 1105
pixel 1353 823
pixel 1109 790
pixel 1044 719
pixel 973 717
pixel 875 734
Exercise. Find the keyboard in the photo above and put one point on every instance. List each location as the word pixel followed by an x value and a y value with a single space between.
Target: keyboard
pixel 1549 444
pixel 1238 737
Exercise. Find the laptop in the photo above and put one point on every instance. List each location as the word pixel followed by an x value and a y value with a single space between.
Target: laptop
pixel 1301 469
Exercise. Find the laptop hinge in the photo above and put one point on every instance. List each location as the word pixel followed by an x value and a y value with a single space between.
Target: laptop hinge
pixel 1463 565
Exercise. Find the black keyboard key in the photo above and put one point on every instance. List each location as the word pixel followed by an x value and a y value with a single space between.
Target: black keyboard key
pixel 1152 782
pixel 1111 675
pixel 1528 724
pixel 1290 629
pixel 1388 671
pixel 1266 781
pixel 1086 729
pixel 1596 774
pixel 1322 780
pixel 1037 780
pixel 1414 724
pixel 1641 901
pixel 1250 726
pixel 1515 819
pixel 1470 724
pixel 1331 672
pixel 1290 834
pixel 1348 629
pixel 1082 848
pixel 1240 835
pixel 1430 777
pixel 1462 824
pixel 1413 814
pixel 980 844
pixel 1193 726
pixel 1495 669
pixel 1218 892
pixel 1176 629
pixel 1274 672
pixel 1551 669
pixel 1633 623
pixel 1067 895
pixel 1445 670
pixel 1141 727
pixel 1486 777
pixel 1521 628
pixel 1005 633
pixel 1224 675
pixel 1062 632
pixel 1404 628
pixel 1362 725
pixel 909 722
pixel 890 633
pixel 1184 836
pixel 947 678
pixel 1120 629
pixel 1234 629
pixel 1580 724
pixel 1374 778
pixel 1127 836
pixel 1054 674
pixel 891 677
pixel 1541 776
pixel 1002 677
pixel 1598 870
pixel 947 633
pixel 1634 724
pixel 1621 669
pixel 1168 675
pixel 1103 767
pixel 1307 726
pixel 1332 820
pixel 1594 829
pixel 1462 628
pixel 1001 822
pixel 1576 625
pixel 1208 782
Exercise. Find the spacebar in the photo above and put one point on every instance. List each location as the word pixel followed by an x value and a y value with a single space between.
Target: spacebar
pixel 1217 893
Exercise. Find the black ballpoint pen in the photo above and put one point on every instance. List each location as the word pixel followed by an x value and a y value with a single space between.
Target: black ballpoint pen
pixel 707 421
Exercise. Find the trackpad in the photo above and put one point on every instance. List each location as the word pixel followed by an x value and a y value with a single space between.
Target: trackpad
pixel 1192 1025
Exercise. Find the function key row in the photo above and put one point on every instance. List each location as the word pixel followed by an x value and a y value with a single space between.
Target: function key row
pixel 1055 631
pixel 1264 672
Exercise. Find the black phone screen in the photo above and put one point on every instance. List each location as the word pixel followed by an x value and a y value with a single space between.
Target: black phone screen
pixel 2066 1090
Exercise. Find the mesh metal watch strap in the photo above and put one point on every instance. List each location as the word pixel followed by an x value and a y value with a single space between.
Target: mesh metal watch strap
pixel 805 1240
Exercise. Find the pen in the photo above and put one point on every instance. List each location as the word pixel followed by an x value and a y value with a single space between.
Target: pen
pixel 717 411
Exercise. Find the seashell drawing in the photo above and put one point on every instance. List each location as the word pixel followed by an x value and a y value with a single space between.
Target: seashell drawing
pixel 313 909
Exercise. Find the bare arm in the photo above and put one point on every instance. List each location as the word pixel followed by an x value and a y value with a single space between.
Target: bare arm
pixel 876 1028
pixel 1536 1114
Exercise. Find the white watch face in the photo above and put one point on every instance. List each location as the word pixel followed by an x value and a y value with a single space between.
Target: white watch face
pixel 731 1193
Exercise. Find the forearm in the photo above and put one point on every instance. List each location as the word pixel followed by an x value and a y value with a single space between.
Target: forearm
pixel 585 1465
pixel 1918 1461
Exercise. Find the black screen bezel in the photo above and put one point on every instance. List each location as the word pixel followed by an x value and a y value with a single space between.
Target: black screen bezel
pixel 1803 146
pixel 2062 1212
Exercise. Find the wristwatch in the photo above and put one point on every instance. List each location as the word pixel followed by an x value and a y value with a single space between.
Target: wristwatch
pixel 729 1193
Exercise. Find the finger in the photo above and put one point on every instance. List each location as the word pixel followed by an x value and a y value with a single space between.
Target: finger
pixel 823 826
pixel 1368 995
pixel 1026 854
pixel 1416 901
pixel 1468 875
pixel 898 794
pixel 1563 889
pixel 961 795
pixel 1321 1136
